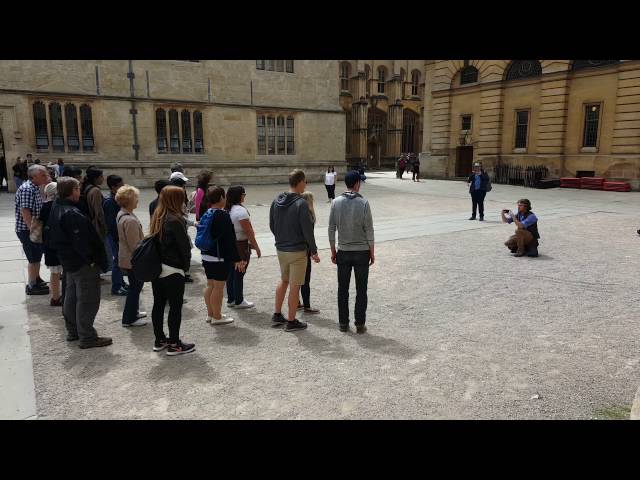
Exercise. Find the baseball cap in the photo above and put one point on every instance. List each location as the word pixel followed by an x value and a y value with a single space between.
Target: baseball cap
pixel 178 176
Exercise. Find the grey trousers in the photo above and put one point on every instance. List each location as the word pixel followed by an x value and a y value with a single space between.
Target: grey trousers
pixel 82 302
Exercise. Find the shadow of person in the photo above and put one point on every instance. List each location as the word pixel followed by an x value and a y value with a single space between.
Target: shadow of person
pixel 321 346
pixel 386 346
pixel 92 362
pixel 235 335
pixel 322 322
pixel 190 366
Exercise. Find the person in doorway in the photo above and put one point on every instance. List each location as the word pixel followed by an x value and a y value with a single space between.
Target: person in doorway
pixel 174 246
pixel 351 215
pixel 477 183
pixel 28 206
pixel 245 242
pixel 50 256
pixel 129 230
pixel 111 210
pixel 158 186
pixel 305 290
pixel 525 240
pixel 82 254
pixel 290 222
pixel 416 170
pixel 4 175
pixel 330 183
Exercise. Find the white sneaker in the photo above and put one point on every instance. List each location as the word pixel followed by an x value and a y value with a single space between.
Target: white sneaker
pixel 231 305
pixel 246 304
pixel 223 321
pixel 209 319
pixel 142 315
pixel 138 323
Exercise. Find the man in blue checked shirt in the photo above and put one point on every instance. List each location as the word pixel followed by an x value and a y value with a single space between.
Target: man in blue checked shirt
pixel 525 240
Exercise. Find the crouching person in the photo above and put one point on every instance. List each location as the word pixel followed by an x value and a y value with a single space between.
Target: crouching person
pixel 525 239
pixel 83 257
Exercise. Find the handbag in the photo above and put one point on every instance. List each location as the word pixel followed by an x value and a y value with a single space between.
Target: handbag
pixel 35 230
pixel 244 251
pixel 146 261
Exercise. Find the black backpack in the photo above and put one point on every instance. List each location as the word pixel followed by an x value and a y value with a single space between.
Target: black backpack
pixel 146 261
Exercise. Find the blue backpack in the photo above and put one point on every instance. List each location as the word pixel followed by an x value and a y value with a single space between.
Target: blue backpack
pixel 204 239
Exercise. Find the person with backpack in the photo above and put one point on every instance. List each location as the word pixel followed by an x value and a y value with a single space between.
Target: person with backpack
pixel 169 229
pixel 479 184
pixel 130 234
pixel 111 210
pixel 216 239
pixel 50 256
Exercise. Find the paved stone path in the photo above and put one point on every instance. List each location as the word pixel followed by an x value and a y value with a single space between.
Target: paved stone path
pixel 457 327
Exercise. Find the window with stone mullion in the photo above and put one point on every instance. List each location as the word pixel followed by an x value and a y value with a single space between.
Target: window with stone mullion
pixel 71 121
pixel 290 137
pixel 86 123
pixel 161 130
pixel 262 136
pixel 174 131
pixel 41 127
pixel 271 136
pixel 281 136
pixel 198 133
pixel 187 142
pixel 57 130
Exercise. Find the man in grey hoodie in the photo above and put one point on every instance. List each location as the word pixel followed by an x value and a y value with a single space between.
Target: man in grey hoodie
pixel 291 224
pixel 351 215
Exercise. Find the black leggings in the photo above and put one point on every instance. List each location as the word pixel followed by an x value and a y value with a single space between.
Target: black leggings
pixel 305 289
pixel 331 191
pixel 169 289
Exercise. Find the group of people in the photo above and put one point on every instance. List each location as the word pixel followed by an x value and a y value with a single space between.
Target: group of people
pixel 80 233
pixel 408 162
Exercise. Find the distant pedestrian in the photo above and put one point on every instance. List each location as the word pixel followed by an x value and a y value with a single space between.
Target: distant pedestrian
pixel 73 172
pixel 129 230
pixel 199 200
pixel 158 186
pixel 174 246
pixel 82 254
pixel 111 210
pixel 29 160
pixel 245 242
pixel 177 167
pixel 305 289
pixel 4 175
pixel 19 172
pixel 50 255
pixel 416 170
pixel 330 183
pixel 91 200
pixel 351 215
pixel 478 183
pixel 61 167
pixel 402 164
pixel 290 222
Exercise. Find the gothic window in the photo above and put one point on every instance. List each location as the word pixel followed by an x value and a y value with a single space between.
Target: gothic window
pixel 580 64
pixel 186 131
pixel 409 129
pixel 260 64
pixel 291 150
pixel 591 122
pixel 523 69
pixel 415 83
pixel 345 74
pixel 174 132
pixel 403 78
pixel 262 137
pixel 522 128
pixel 87 128
pixel 367 78
pixel 280 150
pixel 288 66
pixel 279 65
pixel 468 74
pixel 40 123
pixel 198 133
pixel 382 74
pixel 57 133
pixel 161 130
pixel 71 119
pixel 271 136
pixel 269 65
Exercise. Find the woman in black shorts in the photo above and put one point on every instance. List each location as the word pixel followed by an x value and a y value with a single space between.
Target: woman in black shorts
pixel 221 258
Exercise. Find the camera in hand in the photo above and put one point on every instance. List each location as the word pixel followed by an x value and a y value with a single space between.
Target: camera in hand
pixel 506 210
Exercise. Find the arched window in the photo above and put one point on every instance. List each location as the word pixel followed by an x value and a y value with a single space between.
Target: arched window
pixel 367 78
pixel 280 150
pixel 87 128
pixel 40 124
pixel 271 135
pixel 174 132
pixel 161 130
pixel 57 134
pixel 198 133
pixel 382 77
pixel 291 146
pixel 71 119
pixel 186 131
pixel 468 74
pixel 415 83
pixel 523 69
pixel 580 64
pixel 345 74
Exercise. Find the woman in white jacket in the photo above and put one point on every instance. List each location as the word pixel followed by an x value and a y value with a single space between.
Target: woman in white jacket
pixel 330 183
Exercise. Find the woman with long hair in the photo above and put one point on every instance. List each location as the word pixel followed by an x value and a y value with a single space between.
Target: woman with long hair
pixel 201 191
pixel 245 241
pixel 221 258
pixel 170 229
pixel 305 289
pixel 50 256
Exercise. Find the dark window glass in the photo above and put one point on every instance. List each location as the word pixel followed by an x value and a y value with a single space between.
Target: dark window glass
pixel 367 77
pixel 269 64
pixel 71 119
pixel 262 138
pixel 466 122
pixel 260 64
pixel 409 127
pixel 40 124
pixel 523 69
pixel 57 134
pixel 198 132
pixel 591 120
pixel 279 65
pixel 174 132
pixel 186 131
pixel 381 79
pixel 271 135
pixel 289 66
pixel 291 150
pixel 345 73
pixel 522 126
pixel 415 83
pixel 161 130
pixel 87 128
pixel 580 64
pixel 348 133
pixel 281 137
pixel 468 75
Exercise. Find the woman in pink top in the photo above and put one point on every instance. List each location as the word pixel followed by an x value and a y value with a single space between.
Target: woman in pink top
pixel 203 183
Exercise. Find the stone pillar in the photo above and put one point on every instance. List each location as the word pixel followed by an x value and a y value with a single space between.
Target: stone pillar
pixel 626 133
pixel 394 130
pixel 359 125
pixel 488 145
pixel 552 121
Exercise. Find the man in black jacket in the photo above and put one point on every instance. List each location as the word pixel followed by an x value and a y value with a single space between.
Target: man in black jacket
pixel 82 254
pixel 477 182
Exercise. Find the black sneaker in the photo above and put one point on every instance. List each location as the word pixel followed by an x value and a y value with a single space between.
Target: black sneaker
pixel 160 345
pixel 361 329
pixel 40 282
pixel 180 348
pixel 481 218
pixel 72 338
pixel 97 342
pixel 295 326
pixel 278 318
pixel 344 327
pixel 472 218
pixel 37 290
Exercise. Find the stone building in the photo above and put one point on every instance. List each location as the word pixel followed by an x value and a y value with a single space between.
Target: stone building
pixel 246 120
pixel 571 115
pixel 383 103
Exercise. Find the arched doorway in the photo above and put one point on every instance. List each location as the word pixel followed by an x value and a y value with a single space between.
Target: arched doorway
pixel 410 136
pixel 377 134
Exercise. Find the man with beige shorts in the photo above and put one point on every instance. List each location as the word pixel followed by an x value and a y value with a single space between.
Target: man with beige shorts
pixel 291 224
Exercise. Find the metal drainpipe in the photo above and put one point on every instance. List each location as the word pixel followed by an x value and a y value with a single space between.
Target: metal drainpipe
pixel 133 111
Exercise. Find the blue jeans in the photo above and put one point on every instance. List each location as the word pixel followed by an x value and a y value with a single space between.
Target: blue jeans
pixel 132 304
pixel 112 254
pixel 235 286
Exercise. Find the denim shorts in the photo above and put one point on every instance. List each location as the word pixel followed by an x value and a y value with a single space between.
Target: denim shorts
pixel 33 251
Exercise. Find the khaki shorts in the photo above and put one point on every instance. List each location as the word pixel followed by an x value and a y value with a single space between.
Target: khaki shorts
pixel 293 266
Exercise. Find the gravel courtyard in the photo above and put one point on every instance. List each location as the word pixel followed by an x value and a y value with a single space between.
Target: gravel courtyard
pixel 458 329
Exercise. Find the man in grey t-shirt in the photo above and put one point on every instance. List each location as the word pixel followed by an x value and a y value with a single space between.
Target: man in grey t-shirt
pixel 351 216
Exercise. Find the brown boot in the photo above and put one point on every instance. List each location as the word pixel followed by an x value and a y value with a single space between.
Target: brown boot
pixel 97 342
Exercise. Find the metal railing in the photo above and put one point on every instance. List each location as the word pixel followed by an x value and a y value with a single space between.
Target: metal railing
pixel 518 175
